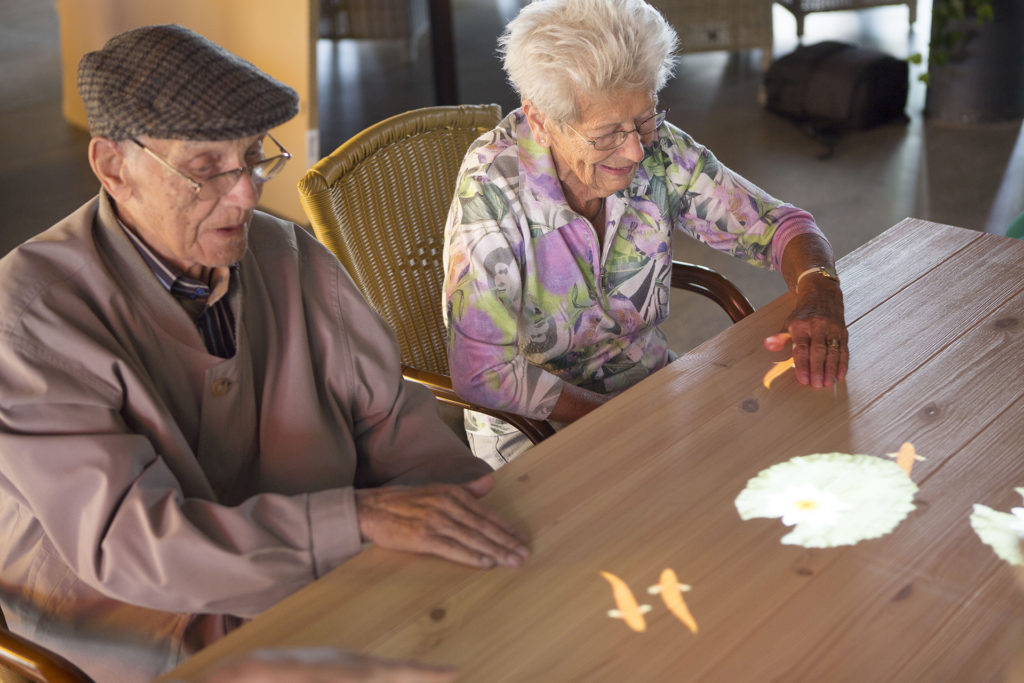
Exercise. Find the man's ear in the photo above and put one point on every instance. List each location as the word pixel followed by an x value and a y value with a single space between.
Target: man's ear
pixel 108 162
pixel 540 125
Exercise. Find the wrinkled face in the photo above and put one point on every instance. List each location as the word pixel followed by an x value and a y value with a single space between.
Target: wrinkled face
pixel 591 173
pixel 163 209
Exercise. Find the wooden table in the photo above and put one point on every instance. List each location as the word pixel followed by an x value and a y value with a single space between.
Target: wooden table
pixel 649 481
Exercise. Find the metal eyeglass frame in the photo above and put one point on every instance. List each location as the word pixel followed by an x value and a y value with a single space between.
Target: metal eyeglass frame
pixel 220 183
pixel 618 137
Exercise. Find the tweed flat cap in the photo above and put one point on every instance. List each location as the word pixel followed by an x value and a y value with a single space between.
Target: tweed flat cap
pixel 170 82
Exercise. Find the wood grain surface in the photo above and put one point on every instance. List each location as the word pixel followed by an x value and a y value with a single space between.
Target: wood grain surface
pixel 647 482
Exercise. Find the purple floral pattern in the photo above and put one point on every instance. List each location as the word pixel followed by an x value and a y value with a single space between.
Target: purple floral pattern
pixel 530 299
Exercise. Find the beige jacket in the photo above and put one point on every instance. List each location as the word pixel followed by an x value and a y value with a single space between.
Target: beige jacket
pixel 153 495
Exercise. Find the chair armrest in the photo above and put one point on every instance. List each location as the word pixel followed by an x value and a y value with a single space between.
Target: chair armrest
pixel 441 386
pixel 713 285
pixel 35 662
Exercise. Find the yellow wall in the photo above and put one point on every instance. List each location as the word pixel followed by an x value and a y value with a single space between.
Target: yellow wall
pixel 278 37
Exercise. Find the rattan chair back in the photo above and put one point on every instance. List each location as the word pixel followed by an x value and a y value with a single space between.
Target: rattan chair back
pixel 380 202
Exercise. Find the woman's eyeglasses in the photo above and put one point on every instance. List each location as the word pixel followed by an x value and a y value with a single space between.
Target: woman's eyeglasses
pixel 614 140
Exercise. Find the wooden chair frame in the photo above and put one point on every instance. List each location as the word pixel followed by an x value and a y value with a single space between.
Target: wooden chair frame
pixel 33 662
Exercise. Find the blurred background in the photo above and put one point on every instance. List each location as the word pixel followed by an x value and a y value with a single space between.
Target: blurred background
pixel 373 59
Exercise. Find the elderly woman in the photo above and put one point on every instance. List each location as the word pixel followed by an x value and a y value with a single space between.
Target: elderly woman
pixel 559 240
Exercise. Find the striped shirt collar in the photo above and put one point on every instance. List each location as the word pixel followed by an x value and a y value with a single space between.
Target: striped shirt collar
pixel 211 283
pixel 202 299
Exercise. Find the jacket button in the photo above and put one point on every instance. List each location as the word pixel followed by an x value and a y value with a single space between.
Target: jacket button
pixel 220 387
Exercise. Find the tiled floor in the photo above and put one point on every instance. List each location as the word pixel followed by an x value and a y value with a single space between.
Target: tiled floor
pixel 967 176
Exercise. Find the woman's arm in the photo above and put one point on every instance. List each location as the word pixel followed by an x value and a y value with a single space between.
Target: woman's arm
pixel 731 214
pixel 483 303
pixel 816 326
pixel 574 402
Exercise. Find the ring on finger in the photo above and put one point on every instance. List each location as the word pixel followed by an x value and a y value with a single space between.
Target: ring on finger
pixel 833 344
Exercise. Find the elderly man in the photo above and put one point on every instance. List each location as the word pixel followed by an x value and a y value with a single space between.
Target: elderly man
pixel 197 409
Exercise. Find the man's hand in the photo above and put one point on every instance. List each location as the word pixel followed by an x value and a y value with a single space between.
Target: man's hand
pixel 818 332
pixel 445 520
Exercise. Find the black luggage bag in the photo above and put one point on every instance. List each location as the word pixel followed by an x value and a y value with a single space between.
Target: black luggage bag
pixel 836 86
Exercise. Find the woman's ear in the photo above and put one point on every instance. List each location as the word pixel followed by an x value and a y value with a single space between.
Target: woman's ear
pixel 109 164
pixel 540 125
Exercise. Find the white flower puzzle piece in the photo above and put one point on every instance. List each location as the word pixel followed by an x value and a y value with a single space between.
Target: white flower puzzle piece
pixel 1003 531
pixel 830 499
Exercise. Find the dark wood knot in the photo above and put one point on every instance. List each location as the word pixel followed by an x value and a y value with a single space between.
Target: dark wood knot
pixel 438 613
pixel 750 405
pixel 903 593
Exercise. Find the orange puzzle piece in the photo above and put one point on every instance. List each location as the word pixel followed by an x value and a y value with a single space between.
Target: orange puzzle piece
pixel 629 610
pixel 779 368
pixel 905 457
pixel 673 598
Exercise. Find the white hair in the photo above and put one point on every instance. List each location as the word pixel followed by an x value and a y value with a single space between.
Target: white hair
pixel 557 49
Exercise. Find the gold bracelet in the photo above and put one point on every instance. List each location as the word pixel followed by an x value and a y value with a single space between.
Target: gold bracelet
pixel 820 270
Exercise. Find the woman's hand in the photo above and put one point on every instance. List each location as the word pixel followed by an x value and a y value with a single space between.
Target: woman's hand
pixel 816 326
pixel 818 332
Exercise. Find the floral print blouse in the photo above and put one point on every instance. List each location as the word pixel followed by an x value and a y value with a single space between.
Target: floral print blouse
pixel 532 301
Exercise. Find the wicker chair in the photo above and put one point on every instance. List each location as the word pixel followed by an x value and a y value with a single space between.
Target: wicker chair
pixel 22 660
pixel 380 201
pixel 801 8
pixel 711 25
pixel 392 249
pixel 391 20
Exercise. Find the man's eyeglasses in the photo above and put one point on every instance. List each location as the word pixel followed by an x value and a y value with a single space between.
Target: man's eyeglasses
pixel 614 140
pixel 218 185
